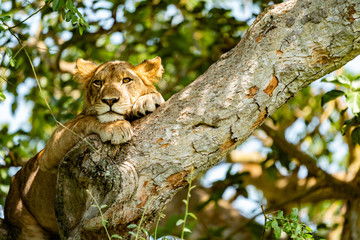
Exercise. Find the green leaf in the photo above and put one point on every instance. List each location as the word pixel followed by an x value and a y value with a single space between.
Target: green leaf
pixel 9 52
pixel 355 135
pixel 12 62
pixel 287 227
pixel 116 236
pixel 187 230
pixel 146 233
pixel 103 206
pixel 274 224
pixel 192 215
pixel 68 16
pixel 5 18
pixel 341 80
pixel 277 232
pixel 353 101
pixel 57 4
pixel 294 214
pixel 179 222
pixel 70 4
pixel 185 201
pixel 331 95
pixel 104 222
pixel 81 30
pixel 355 84
pixel 132 226
pixel 132 233
pixel 268 224
pixel 280 214
pixel 2 96
pixel 298 229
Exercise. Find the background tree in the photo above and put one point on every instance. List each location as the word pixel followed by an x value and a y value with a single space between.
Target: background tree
pixel 189 36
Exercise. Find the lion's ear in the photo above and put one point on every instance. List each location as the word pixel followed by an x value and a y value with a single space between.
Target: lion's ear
pixel 150 70
pixel 84 70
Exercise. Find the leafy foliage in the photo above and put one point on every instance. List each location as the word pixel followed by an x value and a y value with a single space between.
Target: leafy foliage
pixel 352 95
pixel 186 202
pixel 289 224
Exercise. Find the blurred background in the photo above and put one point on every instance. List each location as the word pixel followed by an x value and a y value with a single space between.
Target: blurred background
pixel 189 35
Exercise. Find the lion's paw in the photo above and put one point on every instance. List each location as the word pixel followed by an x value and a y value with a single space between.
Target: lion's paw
pixel 116 132
pixel 147 103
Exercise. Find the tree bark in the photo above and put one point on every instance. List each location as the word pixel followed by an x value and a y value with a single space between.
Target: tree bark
pixel 286 48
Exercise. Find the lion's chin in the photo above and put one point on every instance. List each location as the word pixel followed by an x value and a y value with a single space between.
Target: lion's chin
pixel 110 117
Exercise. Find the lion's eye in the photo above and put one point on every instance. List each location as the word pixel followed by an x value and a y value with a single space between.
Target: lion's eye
pixel 98 82
pixel 127 79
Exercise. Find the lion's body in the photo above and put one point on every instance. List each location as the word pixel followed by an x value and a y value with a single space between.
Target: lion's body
pixel 114 92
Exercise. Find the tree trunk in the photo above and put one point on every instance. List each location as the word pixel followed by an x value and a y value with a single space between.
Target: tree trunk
pixel 286 48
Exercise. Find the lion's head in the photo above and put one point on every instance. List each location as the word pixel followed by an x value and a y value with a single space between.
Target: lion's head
pixel 112 88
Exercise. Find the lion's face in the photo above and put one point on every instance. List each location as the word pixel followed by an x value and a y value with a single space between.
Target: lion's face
pixel 112 88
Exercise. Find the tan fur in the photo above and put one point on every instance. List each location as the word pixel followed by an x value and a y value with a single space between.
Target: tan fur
pixel 109 101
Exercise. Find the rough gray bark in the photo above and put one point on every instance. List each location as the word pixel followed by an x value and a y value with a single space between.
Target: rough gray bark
pixel 286 48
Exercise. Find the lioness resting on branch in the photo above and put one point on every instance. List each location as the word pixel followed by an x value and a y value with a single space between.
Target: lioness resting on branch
pixel 114 91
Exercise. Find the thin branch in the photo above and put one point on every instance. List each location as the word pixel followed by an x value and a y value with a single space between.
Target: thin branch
pixel 34 13
pixel 349 190
pixel 263 211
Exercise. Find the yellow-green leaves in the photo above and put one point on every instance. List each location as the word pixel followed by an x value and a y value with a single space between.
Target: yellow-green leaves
pixel 289 224
pixel 70 13
pixel 2 96
pixel 350 88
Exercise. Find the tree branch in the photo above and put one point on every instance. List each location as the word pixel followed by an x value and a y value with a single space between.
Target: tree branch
pixel 287 47
pixel 346 189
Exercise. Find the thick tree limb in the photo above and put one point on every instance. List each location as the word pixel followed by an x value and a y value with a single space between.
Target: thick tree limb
pixel 287 47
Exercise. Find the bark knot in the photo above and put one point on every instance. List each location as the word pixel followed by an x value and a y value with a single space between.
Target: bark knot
pixel 177 180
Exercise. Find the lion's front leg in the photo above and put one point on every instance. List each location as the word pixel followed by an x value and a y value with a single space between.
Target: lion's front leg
pixel 146 104
pixel 116 132
pixel 65 137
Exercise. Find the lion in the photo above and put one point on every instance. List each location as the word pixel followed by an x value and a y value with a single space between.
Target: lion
pixel 114 92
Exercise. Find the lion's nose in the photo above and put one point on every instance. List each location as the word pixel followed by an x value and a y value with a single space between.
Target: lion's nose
pixel 110 101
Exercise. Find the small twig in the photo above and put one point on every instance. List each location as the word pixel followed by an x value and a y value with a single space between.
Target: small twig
pixel 263 211
pixel 101 214
pixel 142 218
pixel 157 223
pixel 34 13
